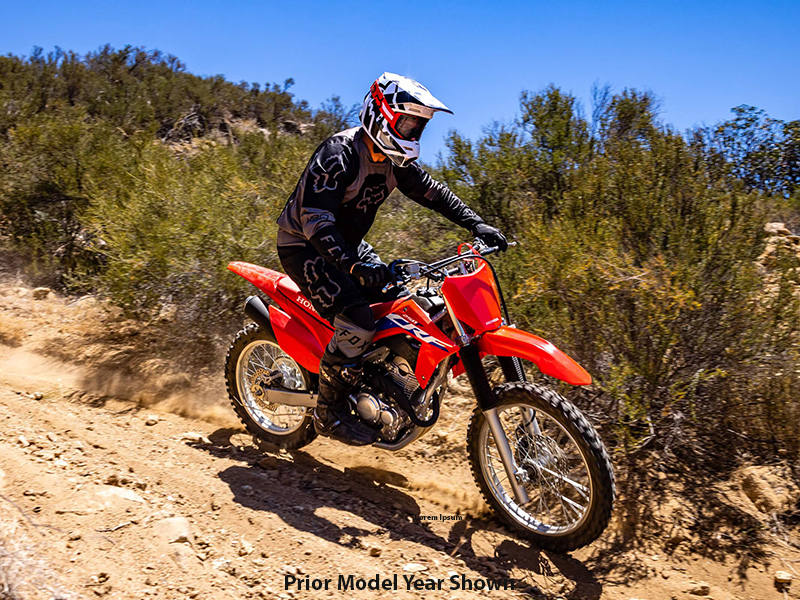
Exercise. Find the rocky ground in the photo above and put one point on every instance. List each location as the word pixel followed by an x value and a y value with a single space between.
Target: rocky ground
pixel 121 477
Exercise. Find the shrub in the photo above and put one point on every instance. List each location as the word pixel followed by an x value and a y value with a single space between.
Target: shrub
pixel 639 256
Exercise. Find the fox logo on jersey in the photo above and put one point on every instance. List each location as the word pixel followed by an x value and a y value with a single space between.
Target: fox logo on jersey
pixel 326 175
pixel 372 195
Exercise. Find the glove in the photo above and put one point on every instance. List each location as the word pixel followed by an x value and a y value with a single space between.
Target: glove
pixel 372 274
pixel 490 236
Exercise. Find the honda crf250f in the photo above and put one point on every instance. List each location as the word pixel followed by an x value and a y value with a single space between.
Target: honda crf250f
pixel 538 462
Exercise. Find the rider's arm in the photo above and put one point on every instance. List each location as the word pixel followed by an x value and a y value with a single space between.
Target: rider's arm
pixel 418 185
pixel 332 168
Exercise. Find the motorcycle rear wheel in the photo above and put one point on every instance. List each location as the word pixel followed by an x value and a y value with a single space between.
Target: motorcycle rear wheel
pixel 255 361
pixel 567 471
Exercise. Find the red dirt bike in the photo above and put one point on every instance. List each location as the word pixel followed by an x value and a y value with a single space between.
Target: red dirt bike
pixel 538 462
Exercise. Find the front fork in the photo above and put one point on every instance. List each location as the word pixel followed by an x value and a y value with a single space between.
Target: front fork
pixel 470 358
pixel 513 371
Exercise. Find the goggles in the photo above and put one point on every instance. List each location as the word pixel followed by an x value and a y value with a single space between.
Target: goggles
pixel 408 127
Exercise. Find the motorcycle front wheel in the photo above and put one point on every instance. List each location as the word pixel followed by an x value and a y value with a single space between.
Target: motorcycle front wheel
pixel 562 462
pixel 254 364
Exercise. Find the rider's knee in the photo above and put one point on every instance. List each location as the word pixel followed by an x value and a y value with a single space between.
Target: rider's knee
pixel 354 330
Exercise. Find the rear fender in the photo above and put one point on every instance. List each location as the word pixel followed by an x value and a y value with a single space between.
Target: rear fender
pixel 277 285
pixel 264 279
pixel 296 339
pixel 508 341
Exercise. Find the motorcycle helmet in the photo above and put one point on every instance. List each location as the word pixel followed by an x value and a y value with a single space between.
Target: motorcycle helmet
pixel 394 114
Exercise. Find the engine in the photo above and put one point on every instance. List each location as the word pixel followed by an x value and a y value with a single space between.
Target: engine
pixel 402 373
pixel 377 409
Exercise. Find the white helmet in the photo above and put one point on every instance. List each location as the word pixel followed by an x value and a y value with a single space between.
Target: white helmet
pixel 394 113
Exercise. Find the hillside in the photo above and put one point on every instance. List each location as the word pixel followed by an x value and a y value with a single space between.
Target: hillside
pixel 108 491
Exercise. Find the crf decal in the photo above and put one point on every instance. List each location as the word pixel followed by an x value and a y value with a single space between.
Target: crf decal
pixel 391 321
pixel 322 289
pixel 327 174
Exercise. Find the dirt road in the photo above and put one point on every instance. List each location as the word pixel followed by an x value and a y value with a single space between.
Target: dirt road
pixel 109 498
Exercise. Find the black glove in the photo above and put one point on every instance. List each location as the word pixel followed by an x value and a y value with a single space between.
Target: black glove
pixel 490 236
pixel 372 274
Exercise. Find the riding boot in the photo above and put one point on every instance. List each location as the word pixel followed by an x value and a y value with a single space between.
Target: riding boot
pixel 332 415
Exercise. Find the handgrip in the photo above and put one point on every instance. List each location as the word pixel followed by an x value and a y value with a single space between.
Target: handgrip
pixel 393 268
pixel 396 267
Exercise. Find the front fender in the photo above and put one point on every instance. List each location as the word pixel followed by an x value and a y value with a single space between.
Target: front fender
pixel 508 341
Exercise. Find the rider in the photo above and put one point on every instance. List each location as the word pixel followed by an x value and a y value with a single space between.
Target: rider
pixel 320 240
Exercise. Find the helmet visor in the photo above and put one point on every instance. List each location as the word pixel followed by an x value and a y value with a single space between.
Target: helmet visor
pixel 410 127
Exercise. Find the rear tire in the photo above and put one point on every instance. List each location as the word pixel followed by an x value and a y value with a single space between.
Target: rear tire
pixel 254 357
pixel 570 478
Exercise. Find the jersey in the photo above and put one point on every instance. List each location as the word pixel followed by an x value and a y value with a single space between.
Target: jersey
pixel 340 191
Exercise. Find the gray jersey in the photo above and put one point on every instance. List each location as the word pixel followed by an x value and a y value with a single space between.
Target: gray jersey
pixel 343 187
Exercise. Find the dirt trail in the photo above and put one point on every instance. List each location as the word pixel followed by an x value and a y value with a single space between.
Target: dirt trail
pixel 122 500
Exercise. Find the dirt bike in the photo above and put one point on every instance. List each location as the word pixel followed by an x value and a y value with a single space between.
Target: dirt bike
pixel 538 462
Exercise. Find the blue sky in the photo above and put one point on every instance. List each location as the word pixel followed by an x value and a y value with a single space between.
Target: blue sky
pixel 700 58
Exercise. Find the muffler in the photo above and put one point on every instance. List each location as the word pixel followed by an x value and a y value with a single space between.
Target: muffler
pixel 255 308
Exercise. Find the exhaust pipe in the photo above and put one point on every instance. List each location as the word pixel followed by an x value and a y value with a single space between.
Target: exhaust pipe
pixel 255 308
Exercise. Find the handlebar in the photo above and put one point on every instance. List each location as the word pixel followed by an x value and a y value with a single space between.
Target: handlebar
pixel 405 270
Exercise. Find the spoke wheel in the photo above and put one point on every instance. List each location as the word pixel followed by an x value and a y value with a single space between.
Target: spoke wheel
pixel 254 365
pixel 561 461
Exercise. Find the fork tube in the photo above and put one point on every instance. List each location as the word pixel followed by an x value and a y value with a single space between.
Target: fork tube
pixel 463 338
pixel 529 422
pixel 487 400
pixel 503 447
pixel 512 371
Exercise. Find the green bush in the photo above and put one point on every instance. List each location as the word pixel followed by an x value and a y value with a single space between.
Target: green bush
pixel 639 256
pixel 172 222
pixel 124 174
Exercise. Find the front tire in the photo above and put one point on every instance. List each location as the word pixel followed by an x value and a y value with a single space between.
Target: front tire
pixel 256 362
pixel 567 471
